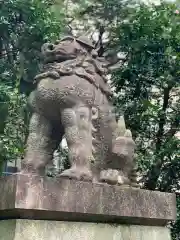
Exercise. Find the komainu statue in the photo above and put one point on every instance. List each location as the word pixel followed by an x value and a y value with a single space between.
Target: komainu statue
pixel 73 99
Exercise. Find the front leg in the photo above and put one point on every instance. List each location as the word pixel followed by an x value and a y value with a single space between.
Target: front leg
pixel 77 125
pixel 43 139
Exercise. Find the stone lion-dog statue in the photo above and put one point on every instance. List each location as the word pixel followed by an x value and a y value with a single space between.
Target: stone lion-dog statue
pixel 73 99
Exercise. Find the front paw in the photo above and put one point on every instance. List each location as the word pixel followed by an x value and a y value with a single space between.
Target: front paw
pixel 113 177
pixel 109 176
pixel 80 174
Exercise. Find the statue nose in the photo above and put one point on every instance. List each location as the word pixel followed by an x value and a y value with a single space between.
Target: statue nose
pixel 48 47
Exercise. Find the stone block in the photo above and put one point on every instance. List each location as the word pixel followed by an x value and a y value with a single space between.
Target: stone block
pixel 56 230
pixel 33 197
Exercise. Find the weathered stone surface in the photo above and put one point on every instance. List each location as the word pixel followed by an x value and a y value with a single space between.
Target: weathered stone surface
pixel 72 98
pixel 42 230
pixel 32 197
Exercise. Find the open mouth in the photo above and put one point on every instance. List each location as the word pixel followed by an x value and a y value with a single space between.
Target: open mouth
pixel 59 57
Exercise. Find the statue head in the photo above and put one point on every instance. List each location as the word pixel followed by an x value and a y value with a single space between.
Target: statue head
pixel 67 48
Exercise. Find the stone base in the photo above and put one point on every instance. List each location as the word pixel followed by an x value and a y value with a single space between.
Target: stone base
pixel 57 230
pixel 32 197
pixel 35 208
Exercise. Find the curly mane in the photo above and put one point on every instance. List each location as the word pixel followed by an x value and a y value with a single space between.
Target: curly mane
pixel 86 65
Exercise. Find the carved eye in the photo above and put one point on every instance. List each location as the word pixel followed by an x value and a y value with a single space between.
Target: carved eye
pixel 80 51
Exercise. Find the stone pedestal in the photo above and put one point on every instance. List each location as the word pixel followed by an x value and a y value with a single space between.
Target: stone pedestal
pixel 34 208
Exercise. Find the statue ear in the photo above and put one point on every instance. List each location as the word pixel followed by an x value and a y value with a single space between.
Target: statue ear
pixel 94 53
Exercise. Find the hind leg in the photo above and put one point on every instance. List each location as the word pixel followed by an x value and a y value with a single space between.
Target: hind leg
pixel 43 139
pixel 77 125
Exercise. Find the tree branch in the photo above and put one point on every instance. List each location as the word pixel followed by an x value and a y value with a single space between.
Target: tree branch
pixel 154 172
pixel 174 128
pixel 99 43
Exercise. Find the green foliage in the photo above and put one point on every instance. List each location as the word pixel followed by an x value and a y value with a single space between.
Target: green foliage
pixel 12 138
pixel 148 90
pixel 24 26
